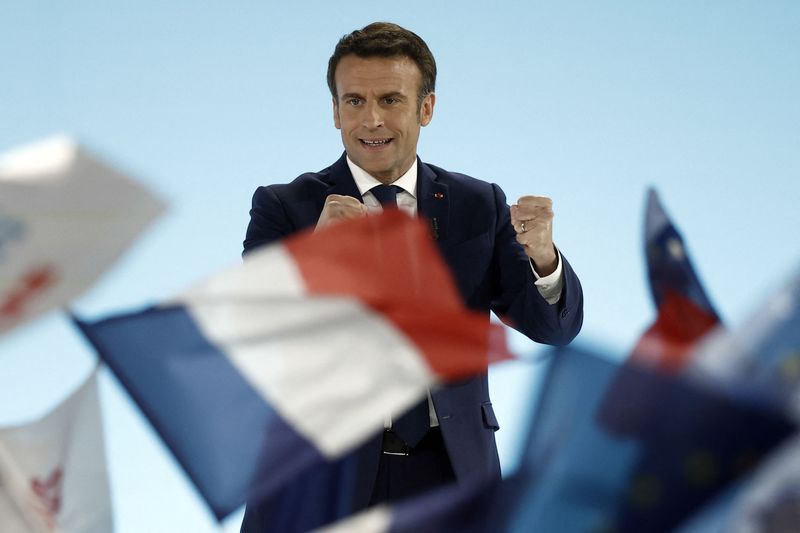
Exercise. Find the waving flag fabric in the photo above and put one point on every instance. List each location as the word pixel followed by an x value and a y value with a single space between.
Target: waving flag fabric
pixel 684 315
pixel 10 516
pixel 65 217
pixel 577 475
pixel 684 312
pixel 760 360
pixel 694 444
pixel 53 471
pixel 297 356
pixel 471 508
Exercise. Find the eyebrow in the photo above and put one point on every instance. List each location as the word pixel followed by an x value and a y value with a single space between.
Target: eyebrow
pixel 393 94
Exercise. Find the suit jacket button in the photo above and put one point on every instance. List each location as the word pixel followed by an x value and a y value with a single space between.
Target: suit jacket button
pixel 564 313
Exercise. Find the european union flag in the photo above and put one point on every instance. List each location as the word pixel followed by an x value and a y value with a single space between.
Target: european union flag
pixel 761 358
pixel 694 444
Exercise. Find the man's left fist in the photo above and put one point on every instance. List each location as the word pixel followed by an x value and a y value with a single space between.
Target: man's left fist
pixel 532 218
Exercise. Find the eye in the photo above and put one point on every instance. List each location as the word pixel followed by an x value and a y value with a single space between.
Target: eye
pixel 353 101
pixel 391 100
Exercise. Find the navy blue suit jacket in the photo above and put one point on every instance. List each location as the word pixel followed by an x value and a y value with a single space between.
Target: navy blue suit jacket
pixel 471 224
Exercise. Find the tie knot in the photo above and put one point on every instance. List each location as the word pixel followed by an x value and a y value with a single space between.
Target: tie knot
pixel 386 194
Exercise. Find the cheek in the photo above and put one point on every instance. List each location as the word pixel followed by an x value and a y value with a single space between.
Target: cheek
pixel 347 123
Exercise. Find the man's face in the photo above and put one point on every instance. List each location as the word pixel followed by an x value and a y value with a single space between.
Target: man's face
pixel 378 114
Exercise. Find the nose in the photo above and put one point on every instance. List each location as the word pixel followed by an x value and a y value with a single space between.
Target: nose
pixel 373 118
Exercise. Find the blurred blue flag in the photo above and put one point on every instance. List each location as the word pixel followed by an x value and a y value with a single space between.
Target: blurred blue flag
pixel 760 361
pixel 578 475
pixel 588 478
pixel 684 315
pixel 684 311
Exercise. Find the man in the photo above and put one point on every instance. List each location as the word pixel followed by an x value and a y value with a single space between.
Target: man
pixel 382 80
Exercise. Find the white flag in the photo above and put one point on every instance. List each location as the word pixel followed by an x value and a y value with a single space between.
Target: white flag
pixel 65 217
pixel 53 475
pixel 10 518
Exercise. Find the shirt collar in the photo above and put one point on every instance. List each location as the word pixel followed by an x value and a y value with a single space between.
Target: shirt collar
pixel 365 182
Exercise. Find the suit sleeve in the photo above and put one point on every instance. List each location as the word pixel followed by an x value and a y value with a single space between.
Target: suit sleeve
pixel 269 221
pixel 517 300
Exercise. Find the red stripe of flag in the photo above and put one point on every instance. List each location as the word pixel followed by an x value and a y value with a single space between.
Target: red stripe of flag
pixel 390 263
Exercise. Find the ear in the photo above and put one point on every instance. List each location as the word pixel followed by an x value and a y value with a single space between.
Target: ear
pixel 336 114
pixel 426 110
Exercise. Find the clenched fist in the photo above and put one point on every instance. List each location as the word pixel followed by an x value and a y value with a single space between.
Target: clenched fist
pixel 338 208
pixel 532 218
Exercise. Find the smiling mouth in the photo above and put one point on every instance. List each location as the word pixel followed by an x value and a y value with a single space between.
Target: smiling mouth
pixel 375 143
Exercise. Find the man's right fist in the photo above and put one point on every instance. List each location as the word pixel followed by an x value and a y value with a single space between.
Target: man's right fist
pixel 338 207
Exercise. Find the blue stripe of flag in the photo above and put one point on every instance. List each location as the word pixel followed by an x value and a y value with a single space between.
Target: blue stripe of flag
pixel 231 442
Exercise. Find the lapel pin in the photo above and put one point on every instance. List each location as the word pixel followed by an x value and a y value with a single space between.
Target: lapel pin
pixel 438 195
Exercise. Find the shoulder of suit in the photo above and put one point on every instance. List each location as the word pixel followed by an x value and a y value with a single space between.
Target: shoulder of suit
pixel 304 184
pixel 311 182
pixel 459 179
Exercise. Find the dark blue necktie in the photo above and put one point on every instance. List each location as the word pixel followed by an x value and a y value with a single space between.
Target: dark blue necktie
pixel 386 194
pixel 413 425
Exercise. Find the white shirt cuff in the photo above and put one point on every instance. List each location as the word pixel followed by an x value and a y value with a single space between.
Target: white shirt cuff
pixel 550 286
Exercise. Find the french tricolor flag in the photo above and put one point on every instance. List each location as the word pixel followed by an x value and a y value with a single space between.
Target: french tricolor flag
pixel 685 312
pixel 296 356
pixel 475 507
pixel 684 316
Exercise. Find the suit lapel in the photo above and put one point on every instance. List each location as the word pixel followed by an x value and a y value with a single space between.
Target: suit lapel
pixel 433 202
pixel 433 198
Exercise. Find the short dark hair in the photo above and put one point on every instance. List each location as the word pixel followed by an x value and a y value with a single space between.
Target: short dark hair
pixel 384 39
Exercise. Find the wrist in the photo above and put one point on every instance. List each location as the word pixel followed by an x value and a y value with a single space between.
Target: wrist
pixel 545 263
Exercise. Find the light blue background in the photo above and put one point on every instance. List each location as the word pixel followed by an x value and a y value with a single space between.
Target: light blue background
pixel 586 102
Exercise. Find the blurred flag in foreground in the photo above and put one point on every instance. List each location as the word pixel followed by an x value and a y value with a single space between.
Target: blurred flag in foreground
pixel 65 217
pixel 684 315
pixel 694 444
pixel 578 476
pixel 761 361
pixel 761 358
pixel 477 507
pixel 684 312
pixel 53 471
pixel 296 357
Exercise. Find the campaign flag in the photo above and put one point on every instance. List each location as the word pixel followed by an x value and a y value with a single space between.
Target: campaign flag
pixel 296 357
pixel 684 315
pixel 761 358
pixel 328 493
pixel 694 444
pixel 10 517
pixel 473 507
pixel 53 475
pixel 65 217
pixel 576 475
pixel 476 506
pixel 684 311
pixel 766 502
